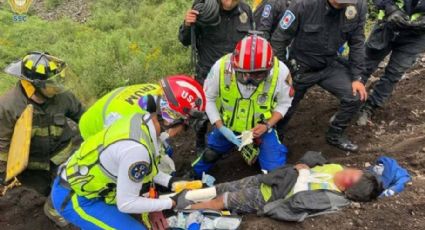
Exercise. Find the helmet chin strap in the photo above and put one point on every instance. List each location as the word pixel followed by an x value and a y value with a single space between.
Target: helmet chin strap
pixel 29 88
pixel 33 92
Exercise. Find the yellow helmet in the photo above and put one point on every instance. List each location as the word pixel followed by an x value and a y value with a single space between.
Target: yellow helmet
pixel 42 70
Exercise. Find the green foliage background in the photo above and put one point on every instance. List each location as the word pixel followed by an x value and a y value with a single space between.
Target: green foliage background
pixel 123 42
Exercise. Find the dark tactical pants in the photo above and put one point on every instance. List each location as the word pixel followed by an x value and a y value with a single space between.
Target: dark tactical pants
pixel 243 196
pixel 335 79
pixel 404 48
pixel 202 127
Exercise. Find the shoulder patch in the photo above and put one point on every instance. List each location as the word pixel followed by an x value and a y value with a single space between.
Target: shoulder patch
pixel 287 20
pixel 266 11
pixel 138 171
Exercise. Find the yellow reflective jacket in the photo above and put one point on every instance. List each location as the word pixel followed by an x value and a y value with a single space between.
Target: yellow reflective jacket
pixel 118 103
pixel 238 113
pixel 87 177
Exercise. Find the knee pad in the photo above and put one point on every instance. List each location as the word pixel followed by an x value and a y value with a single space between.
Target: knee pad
pixel 210 156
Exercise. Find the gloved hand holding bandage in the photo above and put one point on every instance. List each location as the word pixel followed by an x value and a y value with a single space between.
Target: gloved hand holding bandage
pixel 230 135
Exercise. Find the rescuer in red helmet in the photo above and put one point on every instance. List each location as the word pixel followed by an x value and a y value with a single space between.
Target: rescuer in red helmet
pixel 247 90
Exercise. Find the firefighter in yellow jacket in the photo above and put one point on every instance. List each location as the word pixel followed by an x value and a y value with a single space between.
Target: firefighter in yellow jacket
pixel 41 85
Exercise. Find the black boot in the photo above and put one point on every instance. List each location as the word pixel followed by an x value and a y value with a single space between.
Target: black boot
pixel 335 137
pixel 200 126
pixel 52 214
pixel 200 144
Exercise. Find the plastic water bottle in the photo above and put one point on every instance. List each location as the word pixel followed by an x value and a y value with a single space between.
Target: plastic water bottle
pixel 194 221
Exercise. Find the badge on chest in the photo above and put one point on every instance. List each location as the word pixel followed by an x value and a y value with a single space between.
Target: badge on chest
pixel 350 12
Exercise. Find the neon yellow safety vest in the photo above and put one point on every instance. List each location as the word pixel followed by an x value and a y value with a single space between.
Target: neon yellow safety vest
pixel 238 113
pixel 325 176
pixel 88 178
pixel 118 103
pixel 400 4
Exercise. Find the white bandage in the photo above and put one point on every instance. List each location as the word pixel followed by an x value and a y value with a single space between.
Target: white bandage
pixel 302 181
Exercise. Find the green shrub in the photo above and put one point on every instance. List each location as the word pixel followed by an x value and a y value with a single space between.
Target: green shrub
pixel 123 42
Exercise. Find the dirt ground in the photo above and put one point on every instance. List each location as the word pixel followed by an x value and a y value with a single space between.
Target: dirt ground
pixel 398 131
pixel 77 10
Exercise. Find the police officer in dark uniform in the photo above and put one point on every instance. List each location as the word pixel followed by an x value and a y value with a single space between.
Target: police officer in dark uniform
pixel 214 41
pixel 214 38
pixel 401 32
pixel 268 14
pixel 317 28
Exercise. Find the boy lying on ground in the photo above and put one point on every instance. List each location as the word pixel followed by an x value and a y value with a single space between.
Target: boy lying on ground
pixel 310 188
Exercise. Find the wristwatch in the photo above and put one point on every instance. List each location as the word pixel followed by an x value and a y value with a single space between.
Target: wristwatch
pixel 269 127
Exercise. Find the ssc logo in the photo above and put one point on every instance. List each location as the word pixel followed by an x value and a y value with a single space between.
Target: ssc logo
pixel 20 6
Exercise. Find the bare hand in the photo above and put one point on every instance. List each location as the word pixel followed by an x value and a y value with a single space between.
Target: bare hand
pixel 301 166
pixel 358 87
pixel 259 130
pixel 172 132
pixel 190 18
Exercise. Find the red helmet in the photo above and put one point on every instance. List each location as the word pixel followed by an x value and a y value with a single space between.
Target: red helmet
pixel 252 54
pixel 183 94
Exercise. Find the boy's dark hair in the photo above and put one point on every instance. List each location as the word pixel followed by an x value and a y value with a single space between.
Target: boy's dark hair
pixel 366 189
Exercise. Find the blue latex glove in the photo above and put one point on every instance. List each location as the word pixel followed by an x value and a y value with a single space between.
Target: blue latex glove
pixel 230 135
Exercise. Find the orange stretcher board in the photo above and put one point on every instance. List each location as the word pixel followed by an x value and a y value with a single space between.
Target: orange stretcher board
pixel 17 159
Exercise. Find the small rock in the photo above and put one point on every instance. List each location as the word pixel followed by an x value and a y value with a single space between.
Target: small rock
pixel 423 149
pixel 367 164
pixel 357 212
pixel 358 222
pixel 356 205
